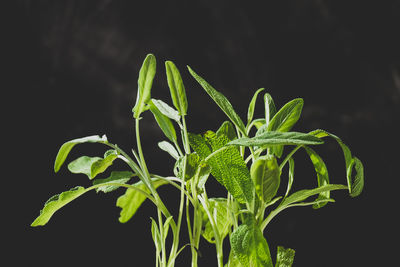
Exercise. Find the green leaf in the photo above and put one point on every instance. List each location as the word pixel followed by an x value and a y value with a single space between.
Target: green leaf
pixel 250 111
pixel 284 257
pixel 291 176
pixel 202 173
pixel 266 174
pixel 219 210
pixel 306 193
pixel 192 162
pixel 221 101
pixel 145 82
pixel 66 148
pixel 227 129
pixel 164 122
pixel 176 87
pixel 133 199
pixel 227 165
pixel 101 165
pixel 355 184
pixel 270 108
pixel 249 245
pixel 278 138
pixel 166 110
pixel 121 177
pixel 322 175
pixel 57 202
pixel 169 148
pixel 83 165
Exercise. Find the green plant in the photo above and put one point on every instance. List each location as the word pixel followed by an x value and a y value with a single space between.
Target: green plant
pixel 248 165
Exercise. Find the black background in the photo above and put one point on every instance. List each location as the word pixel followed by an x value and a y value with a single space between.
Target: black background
pixel 71 71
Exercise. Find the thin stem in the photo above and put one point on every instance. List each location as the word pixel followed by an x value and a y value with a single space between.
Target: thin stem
pixel 288 157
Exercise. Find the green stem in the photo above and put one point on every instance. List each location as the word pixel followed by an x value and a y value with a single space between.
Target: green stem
pixel 288 157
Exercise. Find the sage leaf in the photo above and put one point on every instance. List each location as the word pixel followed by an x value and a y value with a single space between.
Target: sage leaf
pixel 273 138
pixel 270 108
pixel 249 245
pixel 291 176
pixel 101 165
pixel 83 165
pixel 176 87
pixel 355 184
pixel 66 148
pixel 192 162
pixel 166 110
pixel 284 257
pixel 221 101
pixel 57 202
pixel 131 201
pixel 322 175
pixel 164 122
pixel 218 208
pixel 227 129
pixel 121 177
pixel 266 174
pixel 250 111
pixel 169 148
pixel 145 82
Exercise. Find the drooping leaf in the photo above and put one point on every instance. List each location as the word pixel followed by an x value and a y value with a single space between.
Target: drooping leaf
pixel 249 245
pixel 219 210
pixel 57 202
pixel 273 138
pixel 66 148
pixel 166 110
pixel 270 108
pixel 121 177
pixel 192 162
pixel 101 165
pixel 227 129
pixel 145 82
pixel 83 165
pixel 355 184
pixel 291 176
pixel 169 148
pixel 284 257
pixel 322 175
pixel 250 111
pixel 266 174
pixel 133 199
pixel 221 101
pixel 177 89
pixel 164 122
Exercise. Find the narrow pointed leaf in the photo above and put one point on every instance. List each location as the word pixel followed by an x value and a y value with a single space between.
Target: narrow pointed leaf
pixel 66 148
pixel 270 108
pixel 284 257
pixel 83 165
pixel 219 210
pixel 358 181
pixel 169 148
pixel 221 101
pixel 57 202
pixel 164 122
pixel 177 89
pixel 322 175
pixel 121 177
pixel 101 165
pixel 278 138
pixel 145 82
pixel 227 129
pixel 166 110
pixel 250 111
pixel 291 176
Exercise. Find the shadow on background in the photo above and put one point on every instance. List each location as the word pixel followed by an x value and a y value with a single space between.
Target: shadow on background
pixel 73 72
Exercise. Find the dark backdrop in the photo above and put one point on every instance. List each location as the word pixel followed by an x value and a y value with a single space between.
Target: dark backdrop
pixel 71 71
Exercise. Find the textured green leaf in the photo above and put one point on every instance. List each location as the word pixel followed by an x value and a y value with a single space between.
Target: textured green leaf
pixel 202 173
pixel 169 148
pixel 266 174
pixel 270 109
pixel 164 122
pixel 250 111
pixel 83 165
pixel 355 184
pixel 101 165
pixel 133 199
pixel 219 210
pixel 278 138
pixel 176 87
pixel 121 177
pixel 322 175
pixel 57 202
pixel 249 245
pixel 284 257
pixel 66 148
pixel 221 101
pixel 166 110
pixel 192 162
pixel 291 176
pixel 198 143
pixel 227 129
pixel 145 82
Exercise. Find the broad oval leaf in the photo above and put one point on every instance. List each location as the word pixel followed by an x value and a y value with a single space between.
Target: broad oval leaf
pixel 169 148
pixel 250 111
pixel 83 165
pixel 120 177
pixel 221 101
pixel 266 174
pixel 274 138
pixel 249 245
pixel 219 210
pixel 101 165
pixel 57 202
pixel 145 82
pixel 177 89
pixel 284 257
pixel 227 129
pixel 66 148
pixel 164 122
pixel 166 110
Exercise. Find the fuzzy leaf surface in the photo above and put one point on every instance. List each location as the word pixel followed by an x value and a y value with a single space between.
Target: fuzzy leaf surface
pixel 164 122
pixel 284 257
pixel 219 210
pixel 250 111
pixel 177 89
pixel 145 82
pixel 121 177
